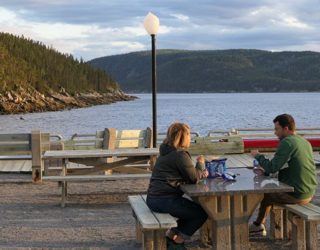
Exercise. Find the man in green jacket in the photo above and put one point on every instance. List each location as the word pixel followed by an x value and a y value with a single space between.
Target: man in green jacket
pixel 293 161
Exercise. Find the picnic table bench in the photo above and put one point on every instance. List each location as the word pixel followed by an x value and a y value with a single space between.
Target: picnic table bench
pixel 100 159
pixel 150 226
pixel 87 178
pixel 304 220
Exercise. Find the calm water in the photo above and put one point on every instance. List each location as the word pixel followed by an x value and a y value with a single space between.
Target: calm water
pixel 202 111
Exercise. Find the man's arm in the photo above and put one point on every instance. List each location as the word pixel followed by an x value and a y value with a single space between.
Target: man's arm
pixel 281 157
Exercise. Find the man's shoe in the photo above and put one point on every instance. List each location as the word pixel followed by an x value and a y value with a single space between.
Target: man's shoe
pixel 259 230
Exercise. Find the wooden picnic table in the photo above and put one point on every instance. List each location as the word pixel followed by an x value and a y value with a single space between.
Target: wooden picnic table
pixel 98 159
pixel 230 204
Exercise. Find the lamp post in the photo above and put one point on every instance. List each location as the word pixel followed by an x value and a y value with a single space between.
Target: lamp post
pixel 151 24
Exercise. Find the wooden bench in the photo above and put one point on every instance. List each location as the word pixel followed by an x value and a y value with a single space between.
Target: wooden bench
pixel 217 145
pixel 88 178
pixel 303 219
pixel 111 138
pixel 127 139
pixel 150 226
pixel 25 146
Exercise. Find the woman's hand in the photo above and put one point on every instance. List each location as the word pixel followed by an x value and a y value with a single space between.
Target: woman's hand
pixel 204 174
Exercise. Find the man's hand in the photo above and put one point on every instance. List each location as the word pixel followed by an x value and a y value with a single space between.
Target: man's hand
pixel 258 171
pixel 254 152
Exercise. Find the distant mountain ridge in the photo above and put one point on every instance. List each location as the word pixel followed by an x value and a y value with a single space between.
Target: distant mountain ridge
pixel 236 70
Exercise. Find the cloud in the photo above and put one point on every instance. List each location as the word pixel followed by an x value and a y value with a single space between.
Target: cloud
pixel 91 39
pixel 291 22
pixel 90 29
pixel 181 17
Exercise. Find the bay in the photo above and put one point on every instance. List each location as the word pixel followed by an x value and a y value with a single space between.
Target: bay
pixel 203 112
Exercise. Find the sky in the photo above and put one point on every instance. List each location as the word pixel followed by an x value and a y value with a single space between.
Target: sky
pixel 91 29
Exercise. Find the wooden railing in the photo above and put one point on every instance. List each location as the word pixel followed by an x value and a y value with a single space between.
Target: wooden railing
pixel 216 142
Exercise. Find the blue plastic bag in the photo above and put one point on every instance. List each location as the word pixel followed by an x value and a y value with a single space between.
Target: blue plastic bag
pixel 216 168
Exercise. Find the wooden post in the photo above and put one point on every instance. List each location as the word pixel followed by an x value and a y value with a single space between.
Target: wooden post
pixel 138 232
pixel 64 188
pixel 148 138
pixel 311 235
pixel 109 142
pixel 159 240
pixel 206 233
pixel 109 139
pixel 148 144
pixel 217 207
pixel 148 243
pixel 242 207
pixel 276 223
pixel 37 164
pixel 298 232
pixel 287 225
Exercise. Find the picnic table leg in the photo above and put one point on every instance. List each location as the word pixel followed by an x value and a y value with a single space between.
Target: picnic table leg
pixel 218 210
pixel 64 183
pixel 148 242
pixel 242 207
pixel 152 161
pixel 287 226
pixel 138 232
pixel 63 193
pixel 206 232
pixel 277 220
pixel 298 232
pixel 311 235
pixel 160 242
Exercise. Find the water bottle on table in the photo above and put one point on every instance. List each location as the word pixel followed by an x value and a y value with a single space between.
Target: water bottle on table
pixel 257 169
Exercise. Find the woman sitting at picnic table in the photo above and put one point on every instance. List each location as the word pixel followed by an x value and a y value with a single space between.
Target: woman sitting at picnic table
pixel 174 167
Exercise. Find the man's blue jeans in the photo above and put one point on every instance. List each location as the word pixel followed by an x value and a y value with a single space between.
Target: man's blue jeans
pixel 190 215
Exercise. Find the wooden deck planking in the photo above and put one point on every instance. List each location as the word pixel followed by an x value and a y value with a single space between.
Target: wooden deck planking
pixel 242 162
pixel 15 166
pixel 239 161
pixel 316 156
pixel 246 159
pixel 232 161
pixel 26 166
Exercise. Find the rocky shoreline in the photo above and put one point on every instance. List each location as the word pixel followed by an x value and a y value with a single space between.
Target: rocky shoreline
pixel 29 100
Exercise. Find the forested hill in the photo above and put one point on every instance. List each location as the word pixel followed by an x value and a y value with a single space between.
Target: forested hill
pixel 34 77
pixel 236 70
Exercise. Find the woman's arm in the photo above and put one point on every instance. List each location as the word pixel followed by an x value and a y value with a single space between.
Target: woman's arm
pixel 187 169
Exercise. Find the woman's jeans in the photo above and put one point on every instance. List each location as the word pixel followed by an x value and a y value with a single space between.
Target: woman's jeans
pixel 190 215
